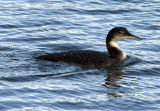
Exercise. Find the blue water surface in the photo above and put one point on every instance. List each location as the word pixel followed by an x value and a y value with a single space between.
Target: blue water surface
pixel 30 28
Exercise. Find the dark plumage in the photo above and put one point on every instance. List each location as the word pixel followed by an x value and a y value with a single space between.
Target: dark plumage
pixel 77 56
pixel 95 57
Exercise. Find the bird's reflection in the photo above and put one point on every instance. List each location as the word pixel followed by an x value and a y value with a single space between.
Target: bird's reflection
pixel 111 79
pixel 113 83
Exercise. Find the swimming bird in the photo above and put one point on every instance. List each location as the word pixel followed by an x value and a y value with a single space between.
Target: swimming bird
pixel 96 58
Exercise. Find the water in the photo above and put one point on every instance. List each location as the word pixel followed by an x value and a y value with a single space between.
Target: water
pixel 29 28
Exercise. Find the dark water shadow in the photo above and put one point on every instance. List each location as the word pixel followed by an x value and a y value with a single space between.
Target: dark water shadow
pixel 113 83
pixel 116 79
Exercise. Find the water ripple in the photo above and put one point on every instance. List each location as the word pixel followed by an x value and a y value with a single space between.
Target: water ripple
pixel 30 28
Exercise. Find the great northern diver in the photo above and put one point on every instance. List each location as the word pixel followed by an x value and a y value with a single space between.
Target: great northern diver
pixel 95 57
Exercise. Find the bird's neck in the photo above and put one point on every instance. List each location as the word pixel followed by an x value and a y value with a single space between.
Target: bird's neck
pixel 115 51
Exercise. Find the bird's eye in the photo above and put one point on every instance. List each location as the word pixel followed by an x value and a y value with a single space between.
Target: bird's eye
pixel 120 32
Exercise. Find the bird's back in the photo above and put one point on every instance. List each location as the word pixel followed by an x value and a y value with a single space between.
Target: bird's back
pixel 78 56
